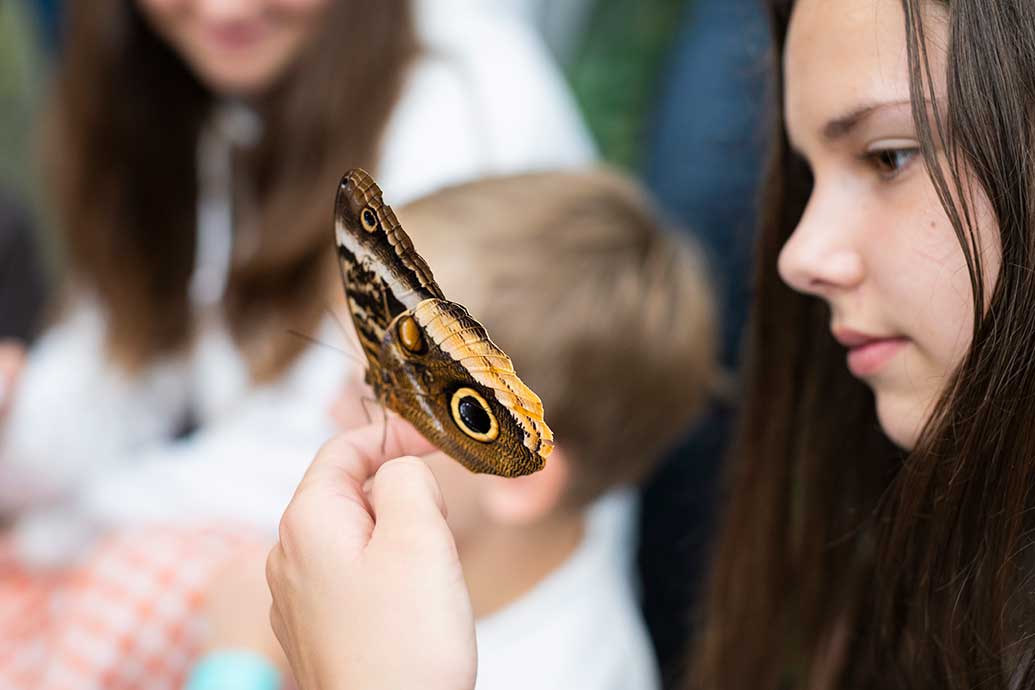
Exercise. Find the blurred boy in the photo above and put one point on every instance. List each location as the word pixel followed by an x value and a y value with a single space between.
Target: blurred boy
pixel 609 319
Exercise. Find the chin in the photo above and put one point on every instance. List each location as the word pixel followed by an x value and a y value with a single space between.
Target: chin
pixel 238 84
pixel 240 75
pixel 901 418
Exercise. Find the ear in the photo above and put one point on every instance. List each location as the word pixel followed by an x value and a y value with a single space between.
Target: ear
pixel 530 498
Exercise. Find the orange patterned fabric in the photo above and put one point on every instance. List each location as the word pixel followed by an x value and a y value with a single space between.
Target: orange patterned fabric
pixel 127 618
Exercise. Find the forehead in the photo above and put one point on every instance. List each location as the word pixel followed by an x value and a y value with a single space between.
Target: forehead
pixel 843 54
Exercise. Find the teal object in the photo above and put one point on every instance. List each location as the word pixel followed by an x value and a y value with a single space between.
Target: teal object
pixel 234 670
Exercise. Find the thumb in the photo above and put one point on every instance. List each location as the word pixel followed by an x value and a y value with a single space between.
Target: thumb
pixel 406 499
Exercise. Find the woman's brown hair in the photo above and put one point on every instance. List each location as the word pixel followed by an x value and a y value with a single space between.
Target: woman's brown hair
pixel 127 116
pixel 843 562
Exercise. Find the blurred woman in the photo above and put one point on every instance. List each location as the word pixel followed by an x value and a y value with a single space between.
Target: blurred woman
pixel 197 146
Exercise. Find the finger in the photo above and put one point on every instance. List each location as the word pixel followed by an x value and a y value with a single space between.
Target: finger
pixel 276 622
pixel 273 568
pixel 279 628
pixel 273 565
pixel 405 495
pixel 355 456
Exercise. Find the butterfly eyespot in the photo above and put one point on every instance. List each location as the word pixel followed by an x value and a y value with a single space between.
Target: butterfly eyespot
pixel 409 335
pixel 369 219
pixel 472 414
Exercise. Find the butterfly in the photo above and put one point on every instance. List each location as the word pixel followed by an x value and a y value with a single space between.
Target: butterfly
pixel 428 359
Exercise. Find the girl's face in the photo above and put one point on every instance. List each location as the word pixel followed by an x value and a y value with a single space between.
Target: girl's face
pixel 236 47
pixel 874 241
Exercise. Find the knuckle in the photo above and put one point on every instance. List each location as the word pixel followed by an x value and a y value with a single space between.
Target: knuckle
pixel 406 469
pixel 292 528
pixel 277 623
pixel 273 566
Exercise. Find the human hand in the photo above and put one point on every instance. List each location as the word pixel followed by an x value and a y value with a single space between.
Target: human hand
pixel 366 581
pixel 352 408
pixel 12 359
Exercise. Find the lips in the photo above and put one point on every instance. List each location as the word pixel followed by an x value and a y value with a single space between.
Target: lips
pixel 867 354
pixel 235 36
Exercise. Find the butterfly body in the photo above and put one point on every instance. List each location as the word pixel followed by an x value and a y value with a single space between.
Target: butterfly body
pixel 429 359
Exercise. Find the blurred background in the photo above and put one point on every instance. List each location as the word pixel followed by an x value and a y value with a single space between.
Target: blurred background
pixel 673 92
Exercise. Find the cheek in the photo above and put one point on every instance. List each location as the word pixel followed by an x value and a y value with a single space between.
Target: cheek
pixel 294 25
pixel 939 288
pixel 302 7
pixel 355 408
pixel 917 268
pixel 298 17
pixel 460 491
pixel 950 315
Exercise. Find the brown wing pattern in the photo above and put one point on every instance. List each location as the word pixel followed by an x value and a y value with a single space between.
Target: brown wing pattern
pixel 382 273
pixel 461 392
pixel 430 361
pixel 453 330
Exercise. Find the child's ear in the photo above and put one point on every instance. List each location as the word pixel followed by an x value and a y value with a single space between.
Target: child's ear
pixel 528 499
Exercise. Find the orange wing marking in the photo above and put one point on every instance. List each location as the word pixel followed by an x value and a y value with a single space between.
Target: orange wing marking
pixel 450 327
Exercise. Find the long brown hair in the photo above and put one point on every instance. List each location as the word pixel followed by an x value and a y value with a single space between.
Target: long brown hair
pixel 126 119
pixel 841 561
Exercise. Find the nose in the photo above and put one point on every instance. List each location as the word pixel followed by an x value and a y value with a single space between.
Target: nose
pixel 821 256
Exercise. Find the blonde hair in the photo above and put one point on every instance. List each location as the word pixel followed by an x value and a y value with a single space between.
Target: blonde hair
pixel 607 315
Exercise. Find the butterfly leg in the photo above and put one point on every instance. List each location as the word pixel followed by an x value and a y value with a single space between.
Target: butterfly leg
pixel 384 429
pixel 363 401
pixel 315 341
pixel 334 316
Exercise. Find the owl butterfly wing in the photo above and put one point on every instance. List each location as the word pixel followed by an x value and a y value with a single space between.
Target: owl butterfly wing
pixel 382 274
pixel 443 374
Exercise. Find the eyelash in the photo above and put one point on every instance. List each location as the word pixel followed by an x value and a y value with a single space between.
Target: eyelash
pixel 887 163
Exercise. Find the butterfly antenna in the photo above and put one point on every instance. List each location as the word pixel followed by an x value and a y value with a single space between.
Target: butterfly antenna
pixel 363 401
pixel 384 430
pixel 348 334
pixel 334 316
pixel 314 341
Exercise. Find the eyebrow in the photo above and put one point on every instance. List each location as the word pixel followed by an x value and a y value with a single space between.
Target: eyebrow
pixel 842 126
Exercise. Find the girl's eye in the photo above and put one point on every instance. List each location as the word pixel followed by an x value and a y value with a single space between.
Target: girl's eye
pixel 890 162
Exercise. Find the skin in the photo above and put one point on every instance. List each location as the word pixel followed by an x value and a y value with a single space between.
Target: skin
pixel 12 359
pixel 238 48
pixel 237 604
pixel 508 534
pixel 504 536
pixel 874 241
pixel 382 560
